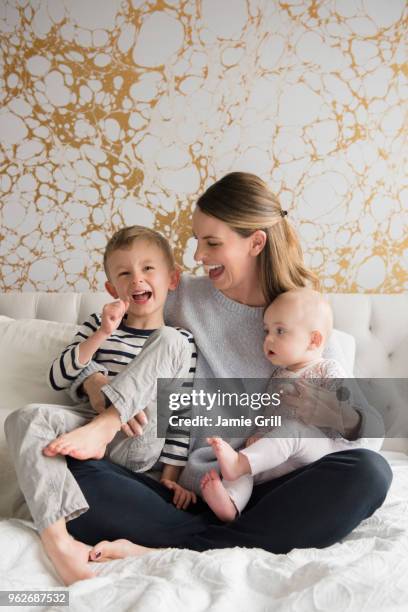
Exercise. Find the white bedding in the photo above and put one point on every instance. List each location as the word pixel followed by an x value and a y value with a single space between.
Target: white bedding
pixel 367 571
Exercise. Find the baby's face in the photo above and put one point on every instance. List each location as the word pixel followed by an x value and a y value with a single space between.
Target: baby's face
pixel 287 338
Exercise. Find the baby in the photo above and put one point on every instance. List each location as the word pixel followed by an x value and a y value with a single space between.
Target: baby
pixel 297 326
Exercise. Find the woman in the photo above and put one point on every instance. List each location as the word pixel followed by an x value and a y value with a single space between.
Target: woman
pixel 251 254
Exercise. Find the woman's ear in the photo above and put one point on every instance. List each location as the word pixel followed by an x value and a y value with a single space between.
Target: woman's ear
pixel 111 290
pixel 258 241
pixel 175 276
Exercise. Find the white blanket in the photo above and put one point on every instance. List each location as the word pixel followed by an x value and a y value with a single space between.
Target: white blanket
pixel 367 571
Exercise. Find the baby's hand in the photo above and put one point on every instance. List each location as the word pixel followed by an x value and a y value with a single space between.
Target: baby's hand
pixel 112 315
pixel 182 497
pixel 252 440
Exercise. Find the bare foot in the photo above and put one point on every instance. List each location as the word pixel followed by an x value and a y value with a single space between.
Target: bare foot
pixel 118 549
pixel 217 497
pixel 70 559
pixel 88 441
pixel 232 464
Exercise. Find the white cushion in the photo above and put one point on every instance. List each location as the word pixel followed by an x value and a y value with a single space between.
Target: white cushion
pixel 27 348
pixel 348 348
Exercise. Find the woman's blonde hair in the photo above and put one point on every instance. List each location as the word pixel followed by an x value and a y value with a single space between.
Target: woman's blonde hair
pixel 246 204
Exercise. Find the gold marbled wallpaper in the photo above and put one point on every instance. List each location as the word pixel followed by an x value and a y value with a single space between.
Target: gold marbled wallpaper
pixel 122 111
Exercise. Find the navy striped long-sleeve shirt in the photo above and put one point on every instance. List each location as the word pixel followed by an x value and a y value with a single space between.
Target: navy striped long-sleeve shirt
pixel 115 353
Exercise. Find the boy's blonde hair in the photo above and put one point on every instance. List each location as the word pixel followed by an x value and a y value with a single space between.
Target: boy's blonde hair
pixel 125 237
pixel 246 204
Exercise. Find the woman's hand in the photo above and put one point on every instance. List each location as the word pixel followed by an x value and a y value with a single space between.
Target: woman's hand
pixel 134 427
pixel 314 405
pixel 252 439
pixel 182 497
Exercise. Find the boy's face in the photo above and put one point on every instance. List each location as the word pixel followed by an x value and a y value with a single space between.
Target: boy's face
pixel 141 274
pixel 287 337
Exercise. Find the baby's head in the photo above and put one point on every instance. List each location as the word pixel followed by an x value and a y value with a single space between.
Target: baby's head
pixel 140 267
pixel 297 325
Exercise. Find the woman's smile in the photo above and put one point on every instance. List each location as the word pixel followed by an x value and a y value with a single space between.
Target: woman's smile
pixel 227 259
pixel 214 271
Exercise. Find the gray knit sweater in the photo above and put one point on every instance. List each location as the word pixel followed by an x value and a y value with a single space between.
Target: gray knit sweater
pixel 229 335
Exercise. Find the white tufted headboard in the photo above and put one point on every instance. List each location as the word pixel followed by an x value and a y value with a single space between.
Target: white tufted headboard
pixel 379 324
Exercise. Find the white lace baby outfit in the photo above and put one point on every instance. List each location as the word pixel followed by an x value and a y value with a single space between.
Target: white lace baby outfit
pixel 293 444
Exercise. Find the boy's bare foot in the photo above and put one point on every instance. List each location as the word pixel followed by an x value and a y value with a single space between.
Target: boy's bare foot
pixel 217 497
pixel 88 441
pixel 232 464
pixel 69 557
pixel 118 549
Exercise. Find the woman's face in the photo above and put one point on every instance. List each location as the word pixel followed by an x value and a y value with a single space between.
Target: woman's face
pixel 228 258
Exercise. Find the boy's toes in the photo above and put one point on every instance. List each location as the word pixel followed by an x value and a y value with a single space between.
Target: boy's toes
pixel 66 449
pixel 59 446
pixel 49 452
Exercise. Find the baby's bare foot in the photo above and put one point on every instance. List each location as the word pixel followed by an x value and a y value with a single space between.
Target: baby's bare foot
pixel 232 464
pixel 118 549
pixel 70 559
pixel 217 497
pixel 88 441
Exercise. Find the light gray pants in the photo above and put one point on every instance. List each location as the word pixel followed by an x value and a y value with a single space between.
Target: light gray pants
pixel 50 490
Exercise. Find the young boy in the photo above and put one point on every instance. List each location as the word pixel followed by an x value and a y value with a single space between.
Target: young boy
pixel 140 271
pixel 297 325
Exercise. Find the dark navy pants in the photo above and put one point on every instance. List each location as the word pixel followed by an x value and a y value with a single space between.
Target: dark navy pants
pixel 314 506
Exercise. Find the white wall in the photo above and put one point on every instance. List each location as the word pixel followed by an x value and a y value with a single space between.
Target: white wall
pixel 118 112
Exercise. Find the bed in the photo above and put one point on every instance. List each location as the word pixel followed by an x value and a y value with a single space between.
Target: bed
pixel 366 571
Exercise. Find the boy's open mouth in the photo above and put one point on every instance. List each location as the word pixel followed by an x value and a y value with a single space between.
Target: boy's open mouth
pixel 215 271
pixel 141 297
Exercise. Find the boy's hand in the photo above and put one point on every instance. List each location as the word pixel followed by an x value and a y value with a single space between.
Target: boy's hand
pixel 92 387
pixel 252 440
pixel 134 426
pixel 112 315
pixel 182 497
